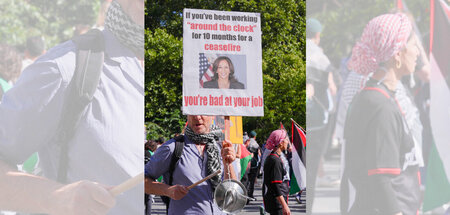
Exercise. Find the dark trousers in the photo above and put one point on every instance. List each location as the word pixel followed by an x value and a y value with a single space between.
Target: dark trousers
pixel 316 146
pixel 252 178
pixel 147 207
pixel 278 212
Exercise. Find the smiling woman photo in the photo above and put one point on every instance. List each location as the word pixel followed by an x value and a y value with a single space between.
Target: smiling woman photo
pixel 223 75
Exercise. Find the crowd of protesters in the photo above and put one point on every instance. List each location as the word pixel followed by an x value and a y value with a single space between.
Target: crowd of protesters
pixel 249 169
pixel 341 95
pixel 13 60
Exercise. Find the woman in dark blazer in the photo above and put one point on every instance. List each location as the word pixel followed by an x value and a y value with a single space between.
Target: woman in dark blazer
pixel 223 75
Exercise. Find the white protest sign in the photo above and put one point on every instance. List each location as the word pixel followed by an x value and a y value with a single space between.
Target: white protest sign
pixel 222 63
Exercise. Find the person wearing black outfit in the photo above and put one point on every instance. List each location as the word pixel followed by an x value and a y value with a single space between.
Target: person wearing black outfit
pixel 253 147
pixel 381 167
pixel 275 189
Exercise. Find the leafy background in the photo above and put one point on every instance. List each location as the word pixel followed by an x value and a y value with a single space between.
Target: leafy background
pixel 54 20
pixel 283 54
pixel 345 20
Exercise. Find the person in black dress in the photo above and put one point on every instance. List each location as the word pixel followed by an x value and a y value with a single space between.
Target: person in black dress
pixel 275 189
pixel 381 167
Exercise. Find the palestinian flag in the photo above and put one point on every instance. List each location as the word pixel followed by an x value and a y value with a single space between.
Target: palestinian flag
pixel 298 180
pixel 437 191
pixel 246 157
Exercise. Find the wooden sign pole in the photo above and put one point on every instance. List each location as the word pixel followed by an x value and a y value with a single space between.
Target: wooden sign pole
pixel 227 127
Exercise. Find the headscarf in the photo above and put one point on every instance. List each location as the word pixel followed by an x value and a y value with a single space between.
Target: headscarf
pixel 275 138
pixel 383 37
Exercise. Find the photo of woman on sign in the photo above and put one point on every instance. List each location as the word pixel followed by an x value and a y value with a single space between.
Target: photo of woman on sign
pixel 223 77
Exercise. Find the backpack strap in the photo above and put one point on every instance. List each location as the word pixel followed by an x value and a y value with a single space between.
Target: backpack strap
pixel 177 152
pixel 80 91
pixel 176 155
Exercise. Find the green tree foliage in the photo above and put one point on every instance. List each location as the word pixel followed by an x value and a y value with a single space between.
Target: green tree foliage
pixel 283 43
pixel 345 20
pixel 54 20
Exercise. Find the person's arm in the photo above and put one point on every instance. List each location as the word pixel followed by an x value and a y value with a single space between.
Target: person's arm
pixel 386 194
pixel 175 192
pixel 33 194
pixel 29 116
pixel 383 159
pixel 331 84
pixel 284 205
pixel 228 156
pixel 309 91
pixel 159 165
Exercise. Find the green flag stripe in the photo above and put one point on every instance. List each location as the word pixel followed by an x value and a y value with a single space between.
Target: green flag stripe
pixel 437 189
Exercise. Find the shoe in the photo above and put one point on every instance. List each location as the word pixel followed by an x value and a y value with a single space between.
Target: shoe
pixel 261 210
pixel 298 198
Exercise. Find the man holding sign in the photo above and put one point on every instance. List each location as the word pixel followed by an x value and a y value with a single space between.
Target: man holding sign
pixel 226 45
pixel 199 159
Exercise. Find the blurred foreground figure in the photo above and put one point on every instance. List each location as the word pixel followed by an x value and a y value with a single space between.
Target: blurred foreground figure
pixel 10 67
pixel 106 143
pixel 381 167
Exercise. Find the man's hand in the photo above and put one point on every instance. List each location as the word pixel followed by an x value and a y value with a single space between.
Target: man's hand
pixel 177 192
pixel 82 197
pixel 228 153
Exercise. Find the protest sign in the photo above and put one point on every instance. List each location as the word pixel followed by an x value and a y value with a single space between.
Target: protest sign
pixel 222 69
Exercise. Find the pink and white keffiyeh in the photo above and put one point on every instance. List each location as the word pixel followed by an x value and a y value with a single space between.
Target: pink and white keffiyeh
pixel 383 37
pixel 275 138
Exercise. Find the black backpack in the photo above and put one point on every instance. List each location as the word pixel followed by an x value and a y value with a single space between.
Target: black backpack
pixel 80 91
pixel 177 152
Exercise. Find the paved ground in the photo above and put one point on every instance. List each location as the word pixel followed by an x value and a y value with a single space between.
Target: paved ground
pixel 326 201
pixel 253 208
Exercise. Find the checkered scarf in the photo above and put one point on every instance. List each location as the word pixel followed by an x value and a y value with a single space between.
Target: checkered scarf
pixel 124 29
pixel 212 150
pixel 383 37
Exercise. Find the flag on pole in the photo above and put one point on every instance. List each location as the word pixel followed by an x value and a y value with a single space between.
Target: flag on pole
pixel 298 181
pixel 437 190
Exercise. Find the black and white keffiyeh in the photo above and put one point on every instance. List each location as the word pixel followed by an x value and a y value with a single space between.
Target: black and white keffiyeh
pixel 212 150
pixel 124 29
